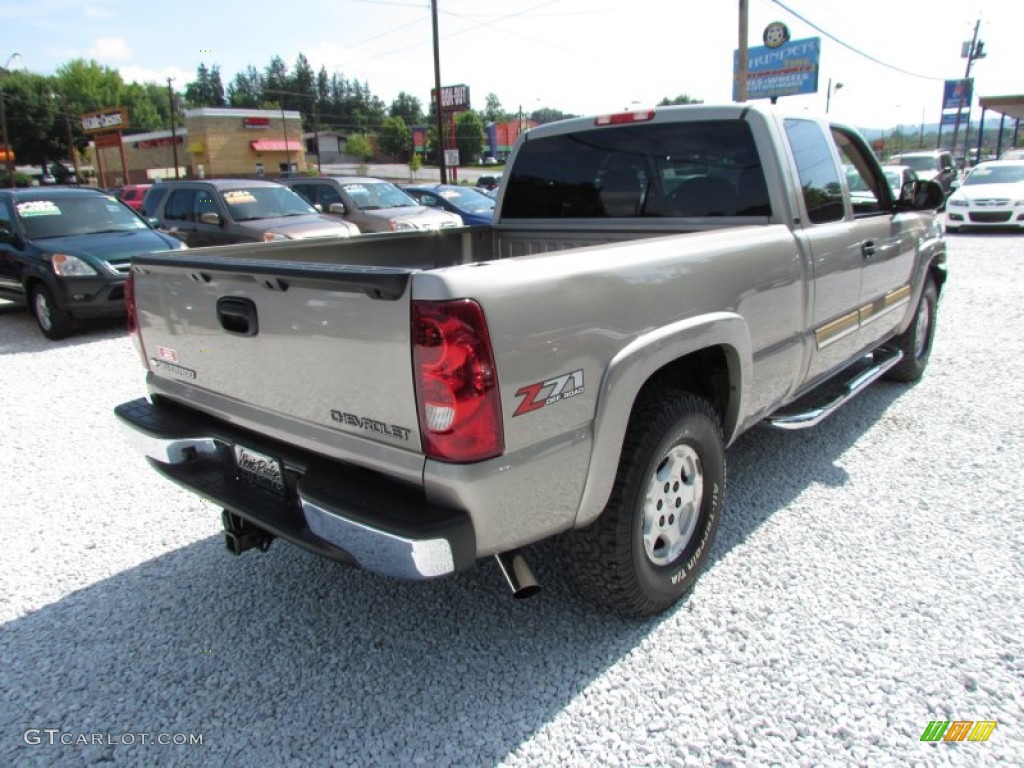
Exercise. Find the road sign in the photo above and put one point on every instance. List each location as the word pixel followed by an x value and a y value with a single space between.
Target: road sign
pixel 957 94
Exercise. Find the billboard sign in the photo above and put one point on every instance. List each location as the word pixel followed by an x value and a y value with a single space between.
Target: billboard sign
pixel 104 120
pixel 454 98
pixel 789 69
pixel 957 94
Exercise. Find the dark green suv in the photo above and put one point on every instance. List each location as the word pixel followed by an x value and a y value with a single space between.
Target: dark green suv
pixel 66 252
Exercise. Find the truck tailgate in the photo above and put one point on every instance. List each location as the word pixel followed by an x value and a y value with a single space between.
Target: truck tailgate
pixel 317 350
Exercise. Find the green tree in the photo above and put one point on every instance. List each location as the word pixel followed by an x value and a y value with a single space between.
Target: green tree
pixel 493 112
pixel 469 136
pixel 142 113
pixel 206 90
pixel 408 108
pixel 680 99
pixel 359 147
pixel 246 90
pixel 33 108
pixel 395 137
pixel 548 115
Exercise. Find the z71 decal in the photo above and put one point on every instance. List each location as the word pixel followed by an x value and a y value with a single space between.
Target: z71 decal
pixel 547 392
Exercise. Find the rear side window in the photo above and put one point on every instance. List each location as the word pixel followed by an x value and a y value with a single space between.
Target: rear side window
pixel 179 205
pixel 698 169
pixel 819 177
pixel 152 200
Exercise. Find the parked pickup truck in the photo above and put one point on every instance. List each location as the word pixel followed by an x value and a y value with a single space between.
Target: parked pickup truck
pixel 654 284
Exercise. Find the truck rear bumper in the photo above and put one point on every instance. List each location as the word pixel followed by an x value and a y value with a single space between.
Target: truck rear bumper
pixel 342 512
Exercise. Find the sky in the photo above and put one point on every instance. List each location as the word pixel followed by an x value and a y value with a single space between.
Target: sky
pixel 578 56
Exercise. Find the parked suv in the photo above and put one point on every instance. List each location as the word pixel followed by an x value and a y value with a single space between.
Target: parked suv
pixel 224 211
pixel 66 253
pixel 373 205
pixel 936 165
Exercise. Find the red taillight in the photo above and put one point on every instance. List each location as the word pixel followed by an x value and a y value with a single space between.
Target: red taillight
pixel 456 384
pixel 619 118
pixel 133 320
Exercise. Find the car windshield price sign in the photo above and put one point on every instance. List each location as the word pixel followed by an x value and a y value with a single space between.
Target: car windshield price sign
pixel 789 69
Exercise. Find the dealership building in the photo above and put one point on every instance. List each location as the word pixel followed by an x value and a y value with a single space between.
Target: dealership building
pixel 214 142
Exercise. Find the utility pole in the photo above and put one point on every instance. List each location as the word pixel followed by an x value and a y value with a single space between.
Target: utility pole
pixel 744 62
pixel 71 140
pixel 437 96
pixel 8 150
pixel 976 50
pixel 174 135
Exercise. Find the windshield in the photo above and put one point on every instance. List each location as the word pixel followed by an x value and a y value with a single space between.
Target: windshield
pixel 375 195
pixel 920 163
pixel 252 203
pixel 468 200
pixel 995 174
pixel 78 215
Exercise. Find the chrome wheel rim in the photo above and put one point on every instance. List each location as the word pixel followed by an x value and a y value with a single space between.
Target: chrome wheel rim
pixel 672 504
pixel 922 323
pixel 43 311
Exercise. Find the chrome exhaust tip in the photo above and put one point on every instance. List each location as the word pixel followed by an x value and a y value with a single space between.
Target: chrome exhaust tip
pixel 518 574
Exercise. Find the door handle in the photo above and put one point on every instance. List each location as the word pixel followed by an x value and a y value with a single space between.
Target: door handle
pixel 237 315
pixel 867 248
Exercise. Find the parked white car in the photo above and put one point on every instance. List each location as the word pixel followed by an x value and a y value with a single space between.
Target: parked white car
pixel 991 196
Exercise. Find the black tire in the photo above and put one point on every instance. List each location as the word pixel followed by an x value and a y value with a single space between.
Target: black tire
pixel 53 321
pixel 916 341
pixel 611 561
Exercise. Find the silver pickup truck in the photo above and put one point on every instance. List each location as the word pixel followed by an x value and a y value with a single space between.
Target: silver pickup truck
pixel 654 284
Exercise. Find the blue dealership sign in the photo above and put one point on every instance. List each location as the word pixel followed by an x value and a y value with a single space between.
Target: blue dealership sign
pixel 788 70
pixel 949 118
pixel 957 94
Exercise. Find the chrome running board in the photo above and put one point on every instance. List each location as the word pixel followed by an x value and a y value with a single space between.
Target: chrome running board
pixel 881 361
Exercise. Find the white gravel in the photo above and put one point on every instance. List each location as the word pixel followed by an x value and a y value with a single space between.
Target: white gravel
pixel 867 578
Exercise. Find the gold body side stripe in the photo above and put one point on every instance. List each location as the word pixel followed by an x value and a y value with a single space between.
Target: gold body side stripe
pixel 841 327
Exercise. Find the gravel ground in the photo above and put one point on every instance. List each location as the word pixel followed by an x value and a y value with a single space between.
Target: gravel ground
pixel 867 579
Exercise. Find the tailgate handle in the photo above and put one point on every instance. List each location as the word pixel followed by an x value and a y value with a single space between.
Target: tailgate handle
pixel 237 315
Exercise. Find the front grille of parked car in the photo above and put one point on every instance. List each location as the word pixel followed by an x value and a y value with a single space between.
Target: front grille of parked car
pixel 992 202
pixel 991 217
pixel 121 269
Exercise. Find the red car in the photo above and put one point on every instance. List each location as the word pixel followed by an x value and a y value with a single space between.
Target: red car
pixel 132 194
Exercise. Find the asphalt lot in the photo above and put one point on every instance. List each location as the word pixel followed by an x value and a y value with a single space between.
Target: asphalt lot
pixel 867 579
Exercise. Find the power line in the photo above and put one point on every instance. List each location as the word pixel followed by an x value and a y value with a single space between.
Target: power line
pixel 846 45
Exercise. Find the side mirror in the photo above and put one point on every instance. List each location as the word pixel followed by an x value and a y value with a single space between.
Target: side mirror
pixel 337 208
pixel 154 222
pixel 7 236
pixel 921 195
pixel 319 208
pixel 210 218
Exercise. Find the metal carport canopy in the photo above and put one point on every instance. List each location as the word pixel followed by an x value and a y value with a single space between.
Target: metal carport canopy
pixel 1011 106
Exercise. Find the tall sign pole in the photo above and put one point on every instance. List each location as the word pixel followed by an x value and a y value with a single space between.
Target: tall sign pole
pixel 973 52
pixel 437 101
pixel 174 135
pixel 741 72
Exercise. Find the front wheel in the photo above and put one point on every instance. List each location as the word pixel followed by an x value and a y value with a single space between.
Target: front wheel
pixel 916 341
pixel 54 322
pixel 650 543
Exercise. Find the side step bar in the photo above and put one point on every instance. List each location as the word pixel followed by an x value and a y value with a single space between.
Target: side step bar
pixel 882 361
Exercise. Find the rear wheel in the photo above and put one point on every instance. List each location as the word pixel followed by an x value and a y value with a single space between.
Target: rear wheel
pixel 650 543
pixel 54 322
pixel 916 341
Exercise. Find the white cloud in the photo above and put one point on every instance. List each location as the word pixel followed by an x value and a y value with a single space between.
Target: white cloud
pixel 132 74
pixel 96 12
pixel 110 49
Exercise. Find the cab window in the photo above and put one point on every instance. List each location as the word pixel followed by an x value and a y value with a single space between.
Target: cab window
pixel 819 177
pixel 179 205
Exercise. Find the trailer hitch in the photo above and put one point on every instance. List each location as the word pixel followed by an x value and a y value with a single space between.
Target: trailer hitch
pixel 241 535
